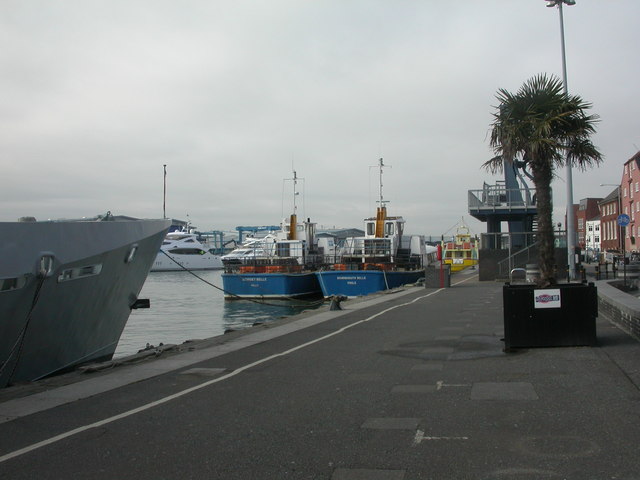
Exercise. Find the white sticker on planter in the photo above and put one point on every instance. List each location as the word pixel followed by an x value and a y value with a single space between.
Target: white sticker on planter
pixel 548 298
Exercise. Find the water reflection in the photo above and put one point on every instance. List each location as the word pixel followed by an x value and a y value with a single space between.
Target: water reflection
pixel 184 307
pixel 238 314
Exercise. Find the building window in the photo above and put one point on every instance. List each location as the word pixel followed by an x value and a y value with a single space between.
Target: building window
pixel 625 192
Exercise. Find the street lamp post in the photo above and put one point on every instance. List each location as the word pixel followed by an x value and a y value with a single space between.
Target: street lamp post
pixel 571 240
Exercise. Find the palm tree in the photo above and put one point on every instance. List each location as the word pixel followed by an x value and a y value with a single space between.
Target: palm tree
pixel 543 127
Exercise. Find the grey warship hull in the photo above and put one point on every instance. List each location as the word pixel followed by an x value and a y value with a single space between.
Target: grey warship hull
pixel 67 289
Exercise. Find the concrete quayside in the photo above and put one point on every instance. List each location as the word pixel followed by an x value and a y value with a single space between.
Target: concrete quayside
pixel 405 385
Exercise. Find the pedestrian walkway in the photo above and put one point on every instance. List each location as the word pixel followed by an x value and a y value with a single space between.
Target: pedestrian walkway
pixel 410 385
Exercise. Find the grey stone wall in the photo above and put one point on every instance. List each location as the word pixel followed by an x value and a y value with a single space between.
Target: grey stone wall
pixel 622 309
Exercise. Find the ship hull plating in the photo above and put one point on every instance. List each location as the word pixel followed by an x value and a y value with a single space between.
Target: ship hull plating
pixel 76 310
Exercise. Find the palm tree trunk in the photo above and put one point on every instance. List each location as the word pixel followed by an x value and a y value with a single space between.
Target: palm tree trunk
pixel 546 257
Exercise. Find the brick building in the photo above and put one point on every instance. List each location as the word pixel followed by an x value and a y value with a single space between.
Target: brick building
pixel 592 240
pixel 610 238
pixel 630 202
pixel 587 210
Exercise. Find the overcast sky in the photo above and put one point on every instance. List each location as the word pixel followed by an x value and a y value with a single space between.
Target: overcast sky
pixel 232 95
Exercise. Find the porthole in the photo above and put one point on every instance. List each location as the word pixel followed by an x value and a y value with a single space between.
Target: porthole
pixel 80 272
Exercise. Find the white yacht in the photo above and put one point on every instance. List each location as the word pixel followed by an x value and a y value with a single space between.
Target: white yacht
pixel 250 250
pixel 183 250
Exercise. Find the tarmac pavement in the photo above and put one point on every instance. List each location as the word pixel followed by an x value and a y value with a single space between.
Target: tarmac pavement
pixel 403 386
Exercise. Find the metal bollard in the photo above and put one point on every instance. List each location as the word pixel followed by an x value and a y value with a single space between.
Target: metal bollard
pixel 335 302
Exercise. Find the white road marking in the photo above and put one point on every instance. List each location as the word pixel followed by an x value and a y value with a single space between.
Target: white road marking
pixel 440 384
pixel 142 408
pixel 420 437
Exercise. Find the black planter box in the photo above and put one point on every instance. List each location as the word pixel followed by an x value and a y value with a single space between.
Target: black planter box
pixel 562 316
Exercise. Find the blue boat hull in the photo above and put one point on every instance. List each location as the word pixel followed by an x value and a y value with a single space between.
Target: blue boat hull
pixel 355 283
pixel 270 285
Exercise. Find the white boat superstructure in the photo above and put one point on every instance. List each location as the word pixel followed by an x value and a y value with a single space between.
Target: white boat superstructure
pixel 294 243
pixel 251 249
pixel 384 240
pixel 183 250
pixel 67 289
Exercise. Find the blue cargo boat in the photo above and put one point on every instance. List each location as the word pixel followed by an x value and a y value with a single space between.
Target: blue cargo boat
pixel 281 265
pixel 384 258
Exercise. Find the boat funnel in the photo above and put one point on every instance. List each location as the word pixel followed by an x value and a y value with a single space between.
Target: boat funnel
pixel 381 216
pixel 293 227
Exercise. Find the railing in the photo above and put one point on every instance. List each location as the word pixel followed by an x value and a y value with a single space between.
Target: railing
pixel 368 247
pixel 517 259
pixel 522 248
pixel 507 241
pixel 499 198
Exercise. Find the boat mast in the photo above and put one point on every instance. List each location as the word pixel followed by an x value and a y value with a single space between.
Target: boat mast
pixel 293 228
pixel 381 213
pixel 164 194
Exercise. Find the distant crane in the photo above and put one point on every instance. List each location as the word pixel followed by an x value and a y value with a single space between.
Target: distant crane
pixel 256 229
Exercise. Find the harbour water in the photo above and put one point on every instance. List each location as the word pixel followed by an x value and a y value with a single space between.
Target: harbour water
pixel 184 307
